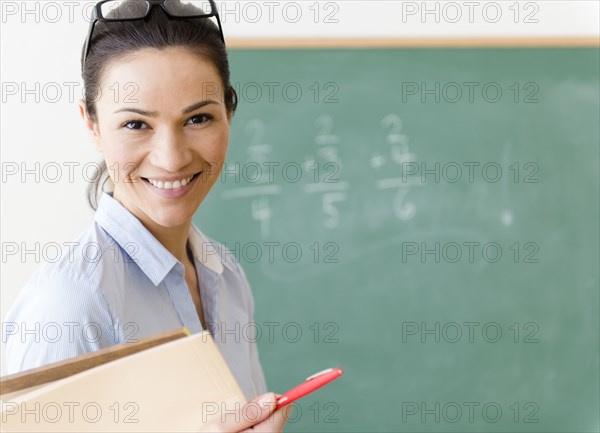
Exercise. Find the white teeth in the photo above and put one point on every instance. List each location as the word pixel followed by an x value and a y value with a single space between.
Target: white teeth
pixel 171 185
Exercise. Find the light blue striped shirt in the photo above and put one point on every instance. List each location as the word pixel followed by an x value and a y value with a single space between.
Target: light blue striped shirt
pixel 117 283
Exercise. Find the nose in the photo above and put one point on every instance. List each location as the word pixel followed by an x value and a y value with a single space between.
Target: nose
pixel 170 151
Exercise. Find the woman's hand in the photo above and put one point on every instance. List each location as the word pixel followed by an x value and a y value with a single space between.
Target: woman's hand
pixel 258 415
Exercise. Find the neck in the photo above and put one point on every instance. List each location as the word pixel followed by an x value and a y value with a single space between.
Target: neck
pixel 174 239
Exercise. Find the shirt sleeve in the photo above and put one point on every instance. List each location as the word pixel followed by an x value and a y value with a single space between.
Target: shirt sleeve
pixel 56 316
pixel 258 376
pixel 256 370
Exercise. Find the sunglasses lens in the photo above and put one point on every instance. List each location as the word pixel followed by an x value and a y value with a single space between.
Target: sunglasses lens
pixel 189 8
pixel 124 9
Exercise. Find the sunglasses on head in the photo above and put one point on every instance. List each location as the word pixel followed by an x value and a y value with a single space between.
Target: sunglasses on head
pixel 131 10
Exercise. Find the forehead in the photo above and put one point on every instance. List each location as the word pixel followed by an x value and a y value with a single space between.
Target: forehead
pixel 167 76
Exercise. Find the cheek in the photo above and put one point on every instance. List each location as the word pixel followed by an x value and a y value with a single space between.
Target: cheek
pixel 217 150
pixel 122 163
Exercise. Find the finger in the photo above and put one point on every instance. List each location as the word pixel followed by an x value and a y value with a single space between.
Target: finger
pixel 274 422
pixel 252 413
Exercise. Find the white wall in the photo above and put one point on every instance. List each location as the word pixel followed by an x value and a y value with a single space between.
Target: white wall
pixel 41 44
pixel 389 18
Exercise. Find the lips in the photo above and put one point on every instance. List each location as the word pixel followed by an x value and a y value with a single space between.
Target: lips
pixel 171 192
pixel 170 184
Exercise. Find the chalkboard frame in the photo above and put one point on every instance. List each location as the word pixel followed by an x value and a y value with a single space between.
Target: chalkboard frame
pixel 485 42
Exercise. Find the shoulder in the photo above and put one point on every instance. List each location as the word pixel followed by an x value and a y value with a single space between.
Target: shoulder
pixel 74 282
pixel 54 292
pixel 61 311
pixel 82 259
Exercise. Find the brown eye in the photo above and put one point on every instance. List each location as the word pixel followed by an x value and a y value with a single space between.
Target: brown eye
pixel 133 125
pixel 200 119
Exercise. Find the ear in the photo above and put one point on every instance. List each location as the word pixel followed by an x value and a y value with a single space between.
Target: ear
pixel 90 125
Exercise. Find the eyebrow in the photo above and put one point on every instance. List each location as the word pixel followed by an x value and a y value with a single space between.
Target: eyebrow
pixel 186 110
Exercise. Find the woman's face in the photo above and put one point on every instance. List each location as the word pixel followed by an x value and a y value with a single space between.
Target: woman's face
pixel 161 119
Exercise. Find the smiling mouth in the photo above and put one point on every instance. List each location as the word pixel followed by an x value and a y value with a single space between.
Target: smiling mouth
pixel 168 186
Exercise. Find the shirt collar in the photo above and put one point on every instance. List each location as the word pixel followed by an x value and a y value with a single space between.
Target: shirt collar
pixel 205 252
pixel 147 252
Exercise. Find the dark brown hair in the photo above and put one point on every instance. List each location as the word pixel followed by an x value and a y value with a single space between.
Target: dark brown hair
pixel 115 39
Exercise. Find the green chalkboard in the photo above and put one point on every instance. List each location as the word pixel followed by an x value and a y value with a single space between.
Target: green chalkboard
pixel 427 219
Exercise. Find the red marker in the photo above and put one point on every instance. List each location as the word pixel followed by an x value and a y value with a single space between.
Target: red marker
pixel 311 384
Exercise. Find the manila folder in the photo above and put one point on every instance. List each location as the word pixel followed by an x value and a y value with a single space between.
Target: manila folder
pixel 179 386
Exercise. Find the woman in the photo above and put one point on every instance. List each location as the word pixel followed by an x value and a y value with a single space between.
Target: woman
pixel 158 105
